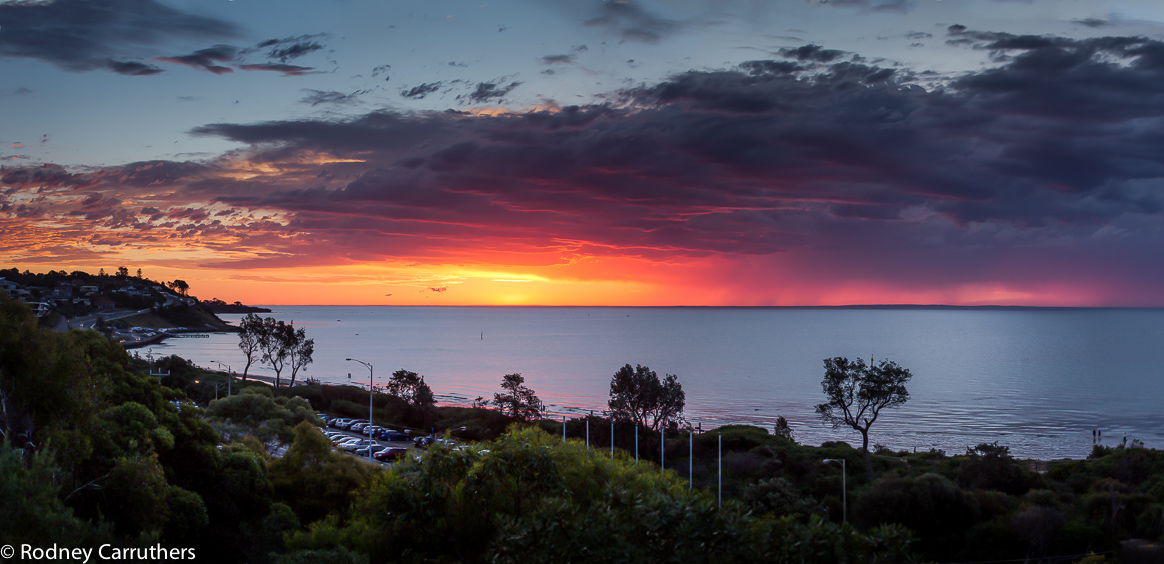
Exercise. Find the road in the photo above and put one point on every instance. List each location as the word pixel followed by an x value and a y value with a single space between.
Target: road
pixel 88 321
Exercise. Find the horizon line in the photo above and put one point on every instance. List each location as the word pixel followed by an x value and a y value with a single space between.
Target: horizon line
pixel 850 306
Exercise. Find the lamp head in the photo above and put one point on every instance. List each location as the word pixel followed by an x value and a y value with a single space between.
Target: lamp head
pixel 347 359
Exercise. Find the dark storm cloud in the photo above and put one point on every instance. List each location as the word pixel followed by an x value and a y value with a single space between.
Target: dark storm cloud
pixel 317 97
pixel 206 59
pixel 82 35
pixel 489 91
pixel 419 92
pixel 287 70
pixel 290 48
pixel 1058 144
pixel 812 53
pixel 558 59
pixel 133 68
pixel 873 5
pixel 632 23
pixel 762 157
pixel 1093 22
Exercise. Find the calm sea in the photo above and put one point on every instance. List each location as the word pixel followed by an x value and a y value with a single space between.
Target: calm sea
pixel 1037 380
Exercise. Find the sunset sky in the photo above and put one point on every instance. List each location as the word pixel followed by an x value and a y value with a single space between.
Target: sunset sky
pixel 587 152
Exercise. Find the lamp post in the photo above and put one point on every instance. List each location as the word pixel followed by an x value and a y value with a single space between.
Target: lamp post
pixel 371 393
pixel 844 489
pixel 229 376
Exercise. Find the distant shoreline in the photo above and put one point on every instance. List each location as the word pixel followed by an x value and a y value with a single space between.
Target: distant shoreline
pixel 841 307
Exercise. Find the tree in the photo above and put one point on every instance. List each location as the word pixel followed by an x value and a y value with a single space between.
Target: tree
pixel 299 350
pixel 251 333
pixel 122 272
pixel 857 393
pixel 410 387
pixel 637 394
pixel 518 401
pixel 179 286
pixel 274 345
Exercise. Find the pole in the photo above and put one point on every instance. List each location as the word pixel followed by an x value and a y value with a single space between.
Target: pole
pixel 563 428
pixel 612 439
pixel 587 433
pixel 720 470
pixel 636 445
pixel 690 459
pixel 662 449
pixel 844 493
pixel 371 396
pixel 844 488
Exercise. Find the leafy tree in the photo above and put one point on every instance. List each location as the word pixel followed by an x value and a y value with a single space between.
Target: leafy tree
pixel 122 271
pixel 274 344
pixel 312 465
pixel 518 400
pixel 179 286
pixel 410 387
pixel 258 413
pixel 857 393
pixel 31 510
pixel 780 497
pixel 251 331
pixel 637 395
pixel 299 350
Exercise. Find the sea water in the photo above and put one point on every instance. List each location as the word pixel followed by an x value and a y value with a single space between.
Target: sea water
pixel 1036 380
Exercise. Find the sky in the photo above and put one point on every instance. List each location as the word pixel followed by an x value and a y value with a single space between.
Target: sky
pixel 588 152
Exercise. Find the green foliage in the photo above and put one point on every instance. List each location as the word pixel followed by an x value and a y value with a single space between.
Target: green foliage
pixel 990 466
pixel 517 400
pixel 637 395
pixel 256 412
pixel 31 510
pixel 339 555
pixel 311 465
pixel 930 505
pixel 410 387
pixel 857 393
pixel 780 497
pixel 532 497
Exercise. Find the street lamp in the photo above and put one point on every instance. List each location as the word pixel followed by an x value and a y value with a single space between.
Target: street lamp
pixel 844 489
pixel 229 375
pixel 371 390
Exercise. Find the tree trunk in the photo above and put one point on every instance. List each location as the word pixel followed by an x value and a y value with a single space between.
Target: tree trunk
pixel 865 452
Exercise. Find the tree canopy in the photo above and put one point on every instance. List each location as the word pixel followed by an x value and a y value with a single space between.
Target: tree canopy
pixel 517 400
pixel 857 393
pixel 637 395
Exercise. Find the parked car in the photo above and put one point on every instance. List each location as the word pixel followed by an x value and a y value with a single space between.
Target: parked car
pixel 351 446
pixel 338 423
pixel 393 453
pixel 363 451
pixel 357 427
pixel 422 442
pixel 390 435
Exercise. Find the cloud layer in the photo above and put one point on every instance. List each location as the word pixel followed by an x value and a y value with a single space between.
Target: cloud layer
pixel 1042 171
